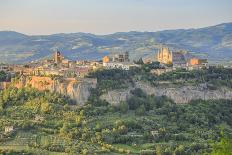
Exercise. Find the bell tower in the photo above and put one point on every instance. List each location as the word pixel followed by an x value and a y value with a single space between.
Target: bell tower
pixel 57 57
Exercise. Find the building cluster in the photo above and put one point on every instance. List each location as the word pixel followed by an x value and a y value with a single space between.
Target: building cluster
pixel 178 59
pixel 173 60
pixel 118 61
pixel 58 65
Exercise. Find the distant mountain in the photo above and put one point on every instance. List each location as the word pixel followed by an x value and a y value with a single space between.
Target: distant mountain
pixel 214 43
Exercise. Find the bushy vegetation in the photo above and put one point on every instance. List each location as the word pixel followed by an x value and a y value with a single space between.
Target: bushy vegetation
pixel 3 76
pixel 11 152
pixel 191 127
pixel 150 125
pixel 112 79
pixel 109 80
pixel 46 121
pixel 143 124
pixel 224 147
pixel 215 77
pixel 119 79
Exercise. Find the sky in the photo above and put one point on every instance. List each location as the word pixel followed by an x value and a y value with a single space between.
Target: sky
pixel 35 17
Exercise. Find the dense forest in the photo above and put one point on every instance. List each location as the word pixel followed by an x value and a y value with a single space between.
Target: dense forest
pixel 47 123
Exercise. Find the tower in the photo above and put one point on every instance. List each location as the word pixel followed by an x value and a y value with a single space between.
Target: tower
pixel 126 57
pixel 57 57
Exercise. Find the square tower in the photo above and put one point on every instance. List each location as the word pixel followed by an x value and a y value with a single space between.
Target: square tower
pixel 57 57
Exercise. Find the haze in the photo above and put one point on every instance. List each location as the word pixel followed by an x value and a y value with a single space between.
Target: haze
pixel 109 16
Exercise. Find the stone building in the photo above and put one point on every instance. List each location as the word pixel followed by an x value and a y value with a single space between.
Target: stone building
pixel 122 57
pixel 120 65
pixel 178 59
pixel 58 57
pixel 164 56
pixel 106 59
pixel 193 61
pixel 118 61
pixel 196 61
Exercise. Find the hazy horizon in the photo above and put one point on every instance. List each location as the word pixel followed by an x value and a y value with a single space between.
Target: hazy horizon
pixel 114 32
pixel 44 17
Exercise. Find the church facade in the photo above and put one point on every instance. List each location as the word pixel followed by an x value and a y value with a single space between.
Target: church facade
pixel 164 56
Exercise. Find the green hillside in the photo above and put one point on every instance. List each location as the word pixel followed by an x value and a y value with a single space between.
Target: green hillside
pixel 47 123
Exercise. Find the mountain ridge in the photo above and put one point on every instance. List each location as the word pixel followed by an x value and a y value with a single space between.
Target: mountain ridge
pixel 212 42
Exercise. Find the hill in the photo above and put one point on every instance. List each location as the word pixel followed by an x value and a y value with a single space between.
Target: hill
pixel 214 43
pixel 40 122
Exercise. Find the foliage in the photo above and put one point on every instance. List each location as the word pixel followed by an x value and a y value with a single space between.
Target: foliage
pixel 215 77
pixel 224 147
pixel 143 124
pixel 3 76
pixel 12 152
pixel 109 80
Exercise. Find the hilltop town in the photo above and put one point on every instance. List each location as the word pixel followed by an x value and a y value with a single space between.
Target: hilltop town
pixel 115 77
pixel 116 105
pixel 70 78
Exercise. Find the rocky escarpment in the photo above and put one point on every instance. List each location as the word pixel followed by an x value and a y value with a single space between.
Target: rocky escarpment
pixel 78 90
pixel 182 94
pixel 4 85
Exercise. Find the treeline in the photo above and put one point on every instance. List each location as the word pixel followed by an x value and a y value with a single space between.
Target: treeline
pixel 214 76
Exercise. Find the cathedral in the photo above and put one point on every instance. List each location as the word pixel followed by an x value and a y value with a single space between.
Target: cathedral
pixel 164 56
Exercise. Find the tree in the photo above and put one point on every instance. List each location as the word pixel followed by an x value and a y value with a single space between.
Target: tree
pixel 179 150
pixel 45 107
pixel 158 150
pixel 224 147
pixel 140 110
pixel 123 107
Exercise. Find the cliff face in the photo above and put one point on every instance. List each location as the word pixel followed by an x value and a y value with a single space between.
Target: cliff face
pixel 78 90
pixel 183 94
pixel 4 85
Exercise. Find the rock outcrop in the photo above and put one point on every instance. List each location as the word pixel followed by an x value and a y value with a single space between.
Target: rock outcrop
pixel 77 90
pixel 182 94
pixel 4 85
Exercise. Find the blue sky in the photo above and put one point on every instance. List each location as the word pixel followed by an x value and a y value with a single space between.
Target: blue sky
pixel 109 16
